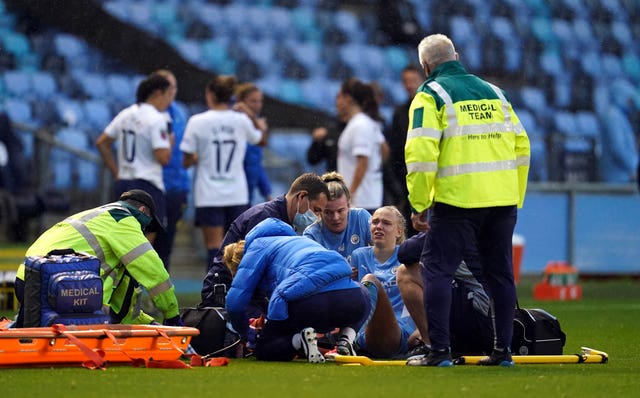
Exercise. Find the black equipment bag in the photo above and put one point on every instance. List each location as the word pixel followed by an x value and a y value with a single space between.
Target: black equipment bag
pixel 216 338
pixel 536 332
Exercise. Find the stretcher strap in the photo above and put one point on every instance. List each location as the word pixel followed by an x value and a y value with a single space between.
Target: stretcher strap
pixel 137 362
pixel 151 363
pixel 173 344
pixel 96 358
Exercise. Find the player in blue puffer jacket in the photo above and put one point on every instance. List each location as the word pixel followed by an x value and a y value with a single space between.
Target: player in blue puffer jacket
pixel 309 289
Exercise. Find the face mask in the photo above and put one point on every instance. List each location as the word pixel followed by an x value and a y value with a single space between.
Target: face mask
pixel 302 221
pixel 144 220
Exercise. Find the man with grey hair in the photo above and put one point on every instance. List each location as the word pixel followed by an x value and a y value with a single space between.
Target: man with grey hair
pixel 467 157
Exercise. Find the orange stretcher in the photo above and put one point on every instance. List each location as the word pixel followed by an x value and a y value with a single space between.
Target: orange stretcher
pixel 92 345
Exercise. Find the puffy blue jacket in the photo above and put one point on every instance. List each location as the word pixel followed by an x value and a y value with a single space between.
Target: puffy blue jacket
pixel 286 267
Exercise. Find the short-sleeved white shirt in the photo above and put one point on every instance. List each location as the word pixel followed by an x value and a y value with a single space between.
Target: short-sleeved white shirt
pixel 362 136
pixel 139 130
pixel 219 138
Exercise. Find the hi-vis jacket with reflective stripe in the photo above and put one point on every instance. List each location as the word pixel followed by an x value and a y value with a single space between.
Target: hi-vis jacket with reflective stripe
pixel 113 234
pixel 465 145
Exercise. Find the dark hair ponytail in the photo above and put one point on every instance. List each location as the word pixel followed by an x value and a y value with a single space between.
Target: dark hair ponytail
pixel 364 95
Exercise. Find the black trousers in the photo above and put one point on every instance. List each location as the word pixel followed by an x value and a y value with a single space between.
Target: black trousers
pixel 323 312
pixel 482 238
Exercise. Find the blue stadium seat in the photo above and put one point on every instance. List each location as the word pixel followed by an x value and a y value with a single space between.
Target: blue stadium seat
pixel 87 175
pixel 270 84
pixel 503 28
pixel 462 29
pixel 98 115
pixel 93 84
pixel 396 59
pixel 320 93
pixel 591 62
pixel 121 88
pixel 65 164
pixel 15 43
pixel 587 123
pixel 190 50
pixel 44 85
pixel 117 8
pixel 528 121
pixel 542 30
pixel 140 14
pixel 17 83
pixel 69 111
pixel 291 91
pixel 565 123
pixel 164 13
pixel 612 66
pixel 69 46
pixel 619 157
pixel 313 93
pixel 73 137
pixel 212 15
pixel 348 23
pixel 261 52
pixel 19 110
pixel 551 63
pixel 368 61
pixel 538 170
pixel 631 65
pixel 215 56
pixel 394 90
pixel 304 21
pixel 534 99
pixel 583 33
pixel 622 33
pixel 308 54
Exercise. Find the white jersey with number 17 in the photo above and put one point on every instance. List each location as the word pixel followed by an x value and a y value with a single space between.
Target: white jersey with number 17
pixel 219 139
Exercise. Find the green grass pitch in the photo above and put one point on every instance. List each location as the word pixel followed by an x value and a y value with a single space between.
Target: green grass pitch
pixel 607 318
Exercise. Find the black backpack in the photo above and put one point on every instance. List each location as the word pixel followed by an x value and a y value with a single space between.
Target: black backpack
pixel 216 338
pixel 536 332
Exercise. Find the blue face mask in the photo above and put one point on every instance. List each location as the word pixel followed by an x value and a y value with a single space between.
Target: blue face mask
pixel 302 221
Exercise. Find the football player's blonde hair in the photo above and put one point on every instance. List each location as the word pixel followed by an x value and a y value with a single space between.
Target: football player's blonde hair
pixel 232 256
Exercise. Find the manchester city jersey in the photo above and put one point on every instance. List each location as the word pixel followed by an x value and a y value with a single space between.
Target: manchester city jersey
pixel 357 234
pixel 366 262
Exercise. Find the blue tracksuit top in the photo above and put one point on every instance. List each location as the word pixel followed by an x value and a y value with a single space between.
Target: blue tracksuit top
pixel 286 267
pixel 276 208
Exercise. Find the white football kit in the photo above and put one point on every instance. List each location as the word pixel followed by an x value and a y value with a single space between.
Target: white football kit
pixel 139 130
pixel 219 138
pixel 362 136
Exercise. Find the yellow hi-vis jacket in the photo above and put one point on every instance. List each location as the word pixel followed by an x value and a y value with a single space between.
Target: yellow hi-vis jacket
pixel 113 234
pixel 465 145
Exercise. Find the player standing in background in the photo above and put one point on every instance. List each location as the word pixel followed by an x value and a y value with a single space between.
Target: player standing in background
pixel 216 141
pixel 361 144
pixel 249 100
pixel 144 142
pixel 176 179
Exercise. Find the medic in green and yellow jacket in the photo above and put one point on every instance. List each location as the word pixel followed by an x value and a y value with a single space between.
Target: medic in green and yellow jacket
pixel 465 145
pixel 114 234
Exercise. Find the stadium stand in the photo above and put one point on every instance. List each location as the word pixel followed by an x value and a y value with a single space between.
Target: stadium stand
pixel 568 65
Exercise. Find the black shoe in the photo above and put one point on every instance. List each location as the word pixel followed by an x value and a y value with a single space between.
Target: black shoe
pixel 344 347
pixel 418 351
pixel 439 358
pixel 498 358
pixel 310 345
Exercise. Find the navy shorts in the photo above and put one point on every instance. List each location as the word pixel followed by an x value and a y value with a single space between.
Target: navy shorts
pixel 122 186
pixel 218 216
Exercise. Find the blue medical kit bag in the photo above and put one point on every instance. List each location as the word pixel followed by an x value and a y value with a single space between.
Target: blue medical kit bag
pixel 63 287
